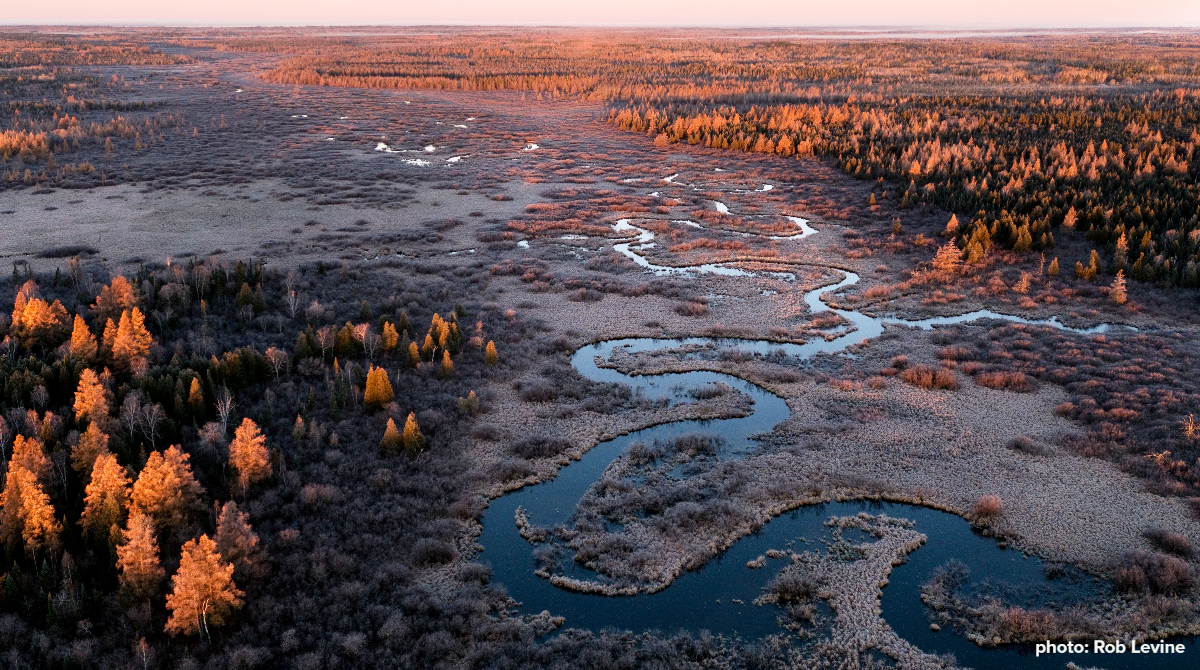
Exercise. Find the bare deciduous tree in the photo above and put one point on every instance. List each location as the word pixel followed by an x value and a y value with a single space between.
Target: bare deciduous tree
pixel 131 413
pixel 152 417
pixel 278 360
pixel 325 338
pixel 224 407
pixel 293 303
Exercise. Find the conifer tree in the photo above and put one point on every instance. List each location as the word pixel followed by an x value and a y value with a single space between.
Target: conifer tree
pixel 392 441
pixel 1053 269
pixel 26 515
pixel 196 395
pixel 414 355
pixel 248 454
pixel 1117 290
pixel 490 356
pixel 92 443
pixel 447 368
pixel 106 498
pixel 27 453
pixel 427 347
pixel 137 559
pixel 83 342
pixel 412 437
pixel 379 389
pixel 132 340
pixel 109 337
pixel 166 490
pixel 948 258
pixel 390 337
pixel 203 594
pixel 91 398
pixel 238 543
pixel 115 298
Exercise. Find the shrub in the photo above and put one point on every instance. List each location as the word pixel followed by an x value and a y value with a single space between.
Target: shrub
pixel 691 308
pixel 1172 543
pixel 539 446
pixel 541 391
pixel 1028 446
pixel 987 506
pixel 1018 382
pixel 1140 570
pixel 923 376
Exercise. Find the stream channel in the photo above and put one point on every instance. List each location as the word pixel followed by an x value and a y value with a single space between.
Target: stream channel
pixel 718 596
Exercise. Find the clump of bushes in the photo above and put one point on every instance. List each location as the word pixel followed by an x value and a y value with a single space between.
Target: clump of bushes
pixel 538 446
pixel 988 506
pixel 923 376
pixel 1018 382
pixel 1142 570
pixel 1025 445
pixel 1172 543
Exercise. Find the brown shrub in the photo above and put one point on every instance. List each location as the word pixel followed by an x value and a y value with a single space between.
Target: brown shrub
pixel 1161 573
pixel 1018 382
pixel 1172 543
pixel 988 506
pixel 691 308
pixel 1017 624
pixel 956 353
pixel 926 377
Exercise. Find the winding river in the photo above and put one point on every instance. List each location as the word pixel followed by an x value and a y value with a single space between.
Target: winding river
pixel 718 596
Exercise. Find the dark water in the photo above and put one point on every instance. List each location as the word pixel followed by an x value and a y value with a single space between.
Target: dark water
pixel 704 599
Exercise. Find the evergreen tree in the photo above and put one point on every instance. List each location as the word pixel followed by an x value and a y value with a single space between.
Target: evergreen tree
pixel 1053 269
pixel 203 594
pixel 1117 290
pixel 165 490
pixel 392 441
pixel 248 454
pixel 490 356
pixel 91 398
pixel 390 337
pixel 379 389
pixel 83 342
pixel 196 396
pixel 413 439
pixel 132 340
pixel 92 443
pixel 239 544
pixel 26 515
pixel 447 368
pixel 137 559
pixel 106 498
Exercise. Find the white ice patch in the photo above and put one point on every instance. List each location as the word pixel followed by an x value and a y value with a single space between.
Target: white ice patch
pixel 470 118
pixel 408 102
pixel 530 147
pixel 455 159
pixel 238 91
pixel 416 161
pixel 802 224
pixel 463 251
pixel 459 125
pixel 330 139
pixel 299 116
pixel 721 207
pixel 654 194
pixel 342 118
pixel 671 179
pixel 765 188
pixel 523 244
pixel 430 148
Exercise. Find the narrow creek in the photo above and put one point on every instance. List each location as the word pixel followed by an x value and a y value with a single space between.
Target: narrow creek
pixel 718 596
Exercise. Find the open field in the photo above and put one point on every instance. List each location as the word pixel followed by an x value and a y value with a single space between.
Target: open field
pixel 384 253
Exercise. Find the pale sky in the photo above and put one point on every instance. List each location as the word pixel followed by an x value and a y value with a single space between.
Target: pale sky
pixel 926 13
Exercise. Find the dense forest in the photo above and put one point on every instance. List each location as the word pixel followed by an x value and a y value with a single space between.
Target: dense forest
pixel 155 427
